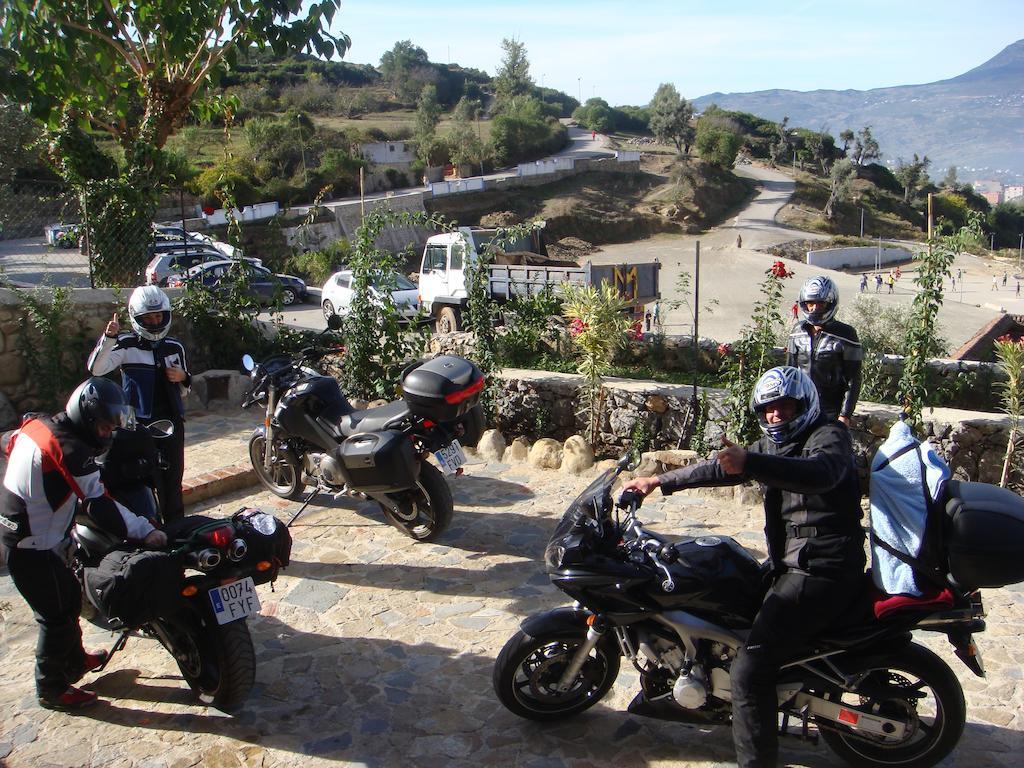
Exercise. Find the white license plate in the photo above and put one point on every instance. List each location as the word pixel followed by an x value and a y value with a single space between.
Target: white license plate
pixel 235 600
pixel 451 457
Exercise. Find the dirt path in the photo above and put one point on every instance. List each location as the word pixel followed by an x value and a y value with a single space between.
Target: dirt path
pixel 731 271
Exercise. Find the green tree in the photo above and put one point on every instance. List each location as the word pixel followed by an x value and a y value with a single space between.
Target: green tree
pixel 933 270
pixel 847 137
pixel 135 71
pixel 840 185
pixel 406 69
pixel 717 146
pixel 950 181
pixel 912 175
pixel 865 148
pixel 670 116
pixel 513 79
pixel 595 115
pixel 428 113
pixel 780 147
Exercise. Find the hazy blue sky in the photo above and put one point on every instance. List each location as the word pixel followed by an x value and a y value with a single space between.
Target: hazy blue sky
pixel 622 51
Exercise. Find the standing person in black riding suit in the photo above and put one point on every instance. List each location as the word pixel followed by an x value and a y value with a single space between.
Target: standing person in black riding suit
pixel 155 379
pixel 50 470
pixel 826 350
pixel 805 465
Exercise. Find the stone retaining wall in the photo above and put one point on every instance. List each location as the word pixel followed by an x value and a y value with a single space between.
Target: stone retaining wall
pixel 537 404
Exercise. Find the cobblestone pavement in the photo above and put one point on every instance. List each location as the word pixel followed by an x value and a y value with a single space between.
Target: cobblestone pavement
pixel 373 650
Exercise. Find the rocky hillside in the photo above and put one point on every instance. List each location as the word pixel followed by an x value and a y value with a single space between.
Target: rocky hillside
pixel 975 120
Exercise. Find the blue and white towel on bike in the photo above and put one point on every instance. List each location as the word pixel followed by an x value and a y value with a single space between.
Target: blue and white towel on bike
pixel 904 488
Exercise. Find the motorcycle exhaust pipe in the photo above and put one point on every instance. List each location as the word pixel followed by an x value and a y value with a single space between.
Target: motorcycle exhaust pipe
pixel 237 550
pixel 206 559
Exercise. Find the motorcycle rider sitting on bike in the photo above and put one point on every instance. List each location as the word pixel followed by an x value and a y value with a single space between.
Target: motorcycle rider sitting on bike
pixel 805 465
pixel 51 468
pixel 156 380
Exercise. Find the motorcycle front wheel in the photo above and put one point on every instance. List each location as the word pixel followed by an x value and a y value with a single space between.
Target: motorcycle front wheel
pixel 528 669
pixel 217 660
pixel 424 511
pixel 284 478
pixel 914 685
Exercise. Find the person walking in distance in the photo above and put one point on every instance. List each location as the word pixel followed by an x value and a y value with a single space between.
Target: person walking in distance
pixel 826 350
pixel 892 282
pixel 878 282
pixel 155 378
pixel 52 472
pixel 739 241
pixel 805 465
pixel 995 283
pixel 864 282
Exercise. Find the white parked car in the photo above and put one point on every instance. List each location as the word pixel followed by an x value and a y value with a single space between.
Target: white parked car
pixel 336 295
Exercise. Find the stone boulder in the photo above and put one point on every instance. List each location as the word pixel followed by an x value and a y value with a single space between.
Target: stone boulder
pixel 491 446
pixel 518 451
pixel 546 453
pixel 577 455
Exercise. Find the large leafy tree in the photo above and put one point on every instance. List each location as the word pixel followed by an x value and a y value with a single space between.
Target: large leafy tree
pixel 406 69
pixel 670 116
pixel 134 70
pixel 912 174
pixel 513 79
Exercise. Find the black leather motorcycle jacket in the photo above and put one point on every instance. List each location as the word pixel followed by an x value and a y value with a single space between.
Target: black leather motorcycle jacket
pixel 832 358
pixel 811 497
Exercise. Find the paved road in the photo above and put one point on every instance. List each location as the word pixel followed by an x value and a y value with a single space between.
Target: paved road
pixel 375 651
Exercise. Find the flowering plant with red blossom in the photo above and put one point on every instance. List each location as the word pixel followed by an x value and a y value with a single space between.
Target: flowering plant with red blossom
pixel 576 327
pixel 779 270
pixel 635 331
pixel 724 349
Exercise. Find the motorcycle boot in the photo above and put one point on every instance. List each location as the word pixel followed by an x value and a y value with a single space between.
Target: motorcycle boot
pixel 72 700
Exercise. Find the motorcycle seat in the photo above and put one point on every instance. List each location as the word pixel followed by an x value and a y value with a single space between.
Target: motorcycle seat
pixel 374 419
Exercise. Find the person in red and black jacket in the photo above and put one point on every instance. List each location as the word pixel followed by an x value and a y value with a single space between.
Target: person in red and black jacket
pixel 51 468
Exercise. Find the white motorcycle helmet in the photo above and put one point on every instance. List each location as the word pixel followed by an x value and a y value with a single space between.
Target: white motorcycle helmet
pixel 822 290
pixel 145 300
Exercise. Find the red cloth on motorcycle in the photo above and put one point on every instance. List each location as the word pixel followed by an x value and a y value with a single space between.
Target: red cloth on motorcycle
pixel 934 599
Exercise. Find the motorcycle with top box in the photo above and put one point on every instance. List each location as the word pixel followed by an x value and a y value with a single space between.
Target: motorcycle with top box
pixel 312 435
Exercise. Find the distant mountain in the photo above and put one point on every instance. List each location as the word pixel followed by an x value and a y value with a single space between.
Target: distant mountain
pixel 974 120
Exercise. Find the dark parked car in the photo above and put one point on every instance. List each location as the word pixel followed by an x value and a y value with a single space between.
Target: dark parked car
pixel 264 285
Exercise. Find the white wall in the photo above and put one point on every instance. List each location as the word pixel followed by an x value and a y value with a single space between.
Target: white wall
pixel 862 256
pixel 246 213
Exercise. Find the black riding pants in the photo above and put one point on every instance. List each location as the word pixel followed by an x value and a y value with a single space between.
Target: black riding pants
pixel 55 597
pixel 796 607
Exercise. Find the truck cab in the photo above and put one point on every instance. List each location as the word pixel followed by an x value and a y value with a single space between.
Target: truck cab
pixel 442 280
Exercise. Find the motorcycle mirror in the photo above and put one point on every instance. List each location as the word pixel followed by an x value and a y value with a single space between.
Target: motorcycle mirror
pixel 334 322
pixel 161 428
pixel 629 461
pixel 248 363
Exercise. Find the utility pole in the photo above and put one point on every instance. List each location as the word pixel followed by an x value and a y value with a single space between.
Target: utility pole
pixel 862 222
pixel 579 90
pixel 1019 249
pixel 694 407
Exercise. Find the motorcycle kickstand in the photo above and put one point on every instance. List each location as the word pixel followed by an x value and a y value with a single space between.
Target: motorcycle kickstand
pixel 117 646
pixel 302 509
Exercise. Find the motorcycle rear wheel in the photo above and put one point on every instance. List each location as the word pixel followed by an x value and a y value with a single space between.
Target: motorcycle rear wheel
pixel 425 511
pixel 284 478
pixel 528 669
pixel 217 660
pixel 918 685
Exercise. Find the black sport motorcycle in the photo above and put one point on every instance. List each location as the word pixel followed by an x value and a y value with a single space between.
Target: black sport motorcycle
pixel 680 609
pixel 195 594
pixel 312 435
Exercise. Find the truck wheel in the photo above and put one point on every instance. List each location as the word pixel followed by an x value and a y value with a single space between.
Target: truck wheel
pixel 447 321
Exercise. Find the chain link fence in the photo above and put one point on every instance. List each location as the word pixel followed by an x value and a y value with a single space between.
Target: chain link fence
pixel 51 235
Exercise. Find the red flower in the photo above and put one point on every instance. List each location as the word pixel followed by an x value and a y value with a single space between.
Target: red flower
pixel 208 210
pixel 576 327
pixel 724 349
pixel 636 331
pixel 1006 339
pixel 779 270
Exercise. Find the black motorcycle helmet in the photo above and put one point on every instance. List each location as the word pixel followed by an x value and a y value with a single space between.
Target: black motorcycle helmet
pixel 96 408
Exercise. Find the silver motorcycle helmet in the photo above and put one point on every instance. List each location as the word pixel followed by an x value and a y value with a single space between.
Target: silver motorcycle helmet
pixel 780 383
pixel 822 290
